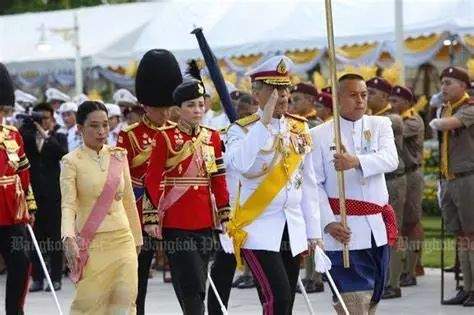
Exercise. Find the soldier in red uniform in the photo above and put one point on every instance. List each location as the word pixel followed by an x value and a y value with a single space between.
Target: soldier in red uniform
pixel 187 161
pixel 157 76
pixel 14 187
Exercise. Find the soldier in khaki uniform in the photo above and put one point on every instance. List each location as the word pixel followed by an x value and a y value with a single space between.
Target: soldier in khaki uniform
pixel 402 101
pixel 457 169
pixel 303 103
pixel 379 92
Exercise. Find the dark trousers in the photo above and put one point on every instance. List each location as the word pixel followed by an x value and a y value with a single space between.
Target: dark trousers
pixel 276 274
pixel 222 273
pixel 14 249
pixel 188 253
pixel 52 251
pixel 144 263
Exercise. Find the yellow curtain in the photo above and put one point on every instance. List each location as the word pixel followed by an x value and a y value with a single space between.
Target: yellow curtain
pixel 305 56
pixel 392 74
pixel 355 51
pixel 246 61
pixel 470 67
pixel 469 40
pixel 421 43
pixel 319 81
pixel 366 72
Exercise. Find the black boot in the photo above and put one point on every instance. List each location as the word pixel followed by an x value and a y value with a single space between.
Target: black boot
pixel 56 286
pixel 247 283
pixel 36 286
pixel 459 299
pixel 469 301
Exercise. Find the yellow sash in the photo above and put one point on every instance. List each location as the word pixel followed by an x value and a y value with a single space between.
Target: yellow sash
pixel 256 204
pixel 448 112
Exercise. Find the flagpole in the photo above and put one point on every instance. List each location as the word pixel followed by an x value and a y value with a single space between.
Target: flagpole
pixel 337 128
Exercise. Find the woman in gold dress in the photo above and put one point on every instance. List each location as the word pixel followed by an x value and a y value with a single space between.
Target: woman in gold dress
pixel 101 249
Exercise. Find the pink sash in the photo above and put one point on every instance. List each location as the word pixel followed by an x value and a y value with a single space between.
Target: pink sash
pixel 97 215
pixel 178 191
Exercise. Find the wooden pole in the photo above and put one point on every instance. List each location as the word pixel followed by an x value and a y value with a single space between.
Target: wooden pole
pixel 337 128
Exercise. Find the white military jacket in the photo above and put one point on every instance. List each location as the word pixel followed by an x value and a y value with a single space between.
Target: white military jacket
pixel 371 139
pixel 249 153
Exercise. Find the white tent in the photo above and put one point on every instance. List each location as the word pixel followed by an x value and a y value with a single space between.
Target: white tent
pixel 118 34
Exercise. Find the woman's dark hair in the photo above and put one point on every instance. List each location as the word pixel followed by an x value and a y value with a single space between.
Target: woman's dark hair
pixel 86 108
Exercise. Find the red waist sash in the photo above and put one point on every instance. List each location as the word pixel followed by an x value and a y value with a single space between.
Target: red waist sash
pixel 357 207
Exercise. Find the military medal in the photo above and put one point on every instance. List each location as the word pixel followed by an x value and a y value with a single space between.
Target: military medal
pixel 209 158
pixel 300 143
pixel 12 148
pixel 367 137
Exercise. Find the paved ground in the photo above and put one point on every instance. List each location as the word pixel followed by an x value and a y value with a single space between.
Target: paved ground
pixel 161 300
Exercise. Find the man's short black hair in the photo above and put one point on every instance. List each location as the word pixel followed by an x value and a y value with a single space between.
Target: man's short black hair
pixel 44 107
pixel 350 76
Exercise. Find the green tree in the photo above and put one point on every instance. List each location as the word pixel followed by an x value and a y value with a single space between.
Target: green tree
pixel 21 6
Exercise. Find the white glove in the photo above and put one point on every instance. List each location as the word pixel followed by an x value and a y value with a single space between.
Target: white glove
pixel 435 124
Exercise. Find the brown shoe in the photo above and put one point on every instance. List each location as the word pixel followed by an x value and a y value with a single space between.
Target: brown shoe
pixel 391 293
pixel 408 281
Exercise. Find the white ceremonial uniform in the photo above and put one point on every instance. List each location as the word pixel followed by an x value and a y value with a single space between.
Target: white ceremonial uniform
pixel 113 135
pixel 295 205
pixel 371 139
pixel 74 138
pixel 220 121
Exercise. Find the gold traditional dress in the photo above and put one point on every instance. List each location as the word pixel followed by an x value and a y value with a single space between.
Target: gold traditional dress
pixel 109 282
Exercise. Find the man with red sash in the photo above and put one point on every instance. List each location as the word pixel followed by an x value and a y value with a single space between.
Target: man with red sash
pixel 14 204
pixel 186 186
pixel 456 124
pixel 157 76
pixel 369 152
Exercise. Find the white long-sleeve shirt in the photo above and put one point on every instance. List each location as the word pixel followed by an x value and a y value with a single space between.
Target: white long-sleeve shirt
pixel 296 205
pixel 371 139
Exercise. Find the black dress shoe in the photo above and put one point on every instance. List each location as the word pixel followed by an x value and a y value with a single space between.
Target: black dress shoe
pixel 391 293
pixel 247 284
pixel 312 286
pixel 469 301
pixel 408 281
pixel 239 280
pixel 36 286
pixel 56 286
pixel 459 299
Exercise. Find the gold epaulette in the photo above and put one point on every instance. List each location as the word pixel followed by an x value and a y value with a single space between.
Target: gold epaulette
pixel 247 120
pixel 297 117
pixel 130 127
pixel 117 149
pixel 167 127
pixel 10 127
pixel 224 130
pixel 207 127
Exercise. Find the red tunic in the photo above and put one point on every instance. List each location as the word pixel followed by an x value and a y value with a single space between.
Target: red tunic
pixel 169 162
pixel 137 139
pixel 14 176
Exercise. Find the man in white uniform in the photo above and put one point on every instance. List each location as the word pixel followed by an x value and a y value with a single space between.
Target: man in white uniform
pixel 55 97
pixel 369 153
pixel 115 126
pixel 68 111
pixel 277 212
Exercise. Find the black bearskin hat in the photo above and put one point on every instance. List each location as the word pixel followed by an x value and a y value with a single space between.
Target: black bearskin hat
pixel 158 75
pixel 7 95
